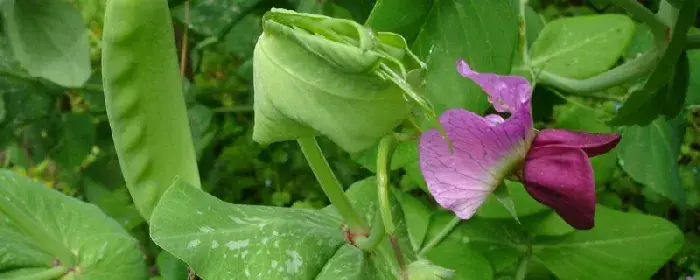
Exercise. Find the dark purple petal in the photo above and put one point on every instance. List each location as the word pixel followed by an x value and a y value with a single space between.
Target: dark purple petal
pixel 562 178
pixel 506 93
pixel 592 143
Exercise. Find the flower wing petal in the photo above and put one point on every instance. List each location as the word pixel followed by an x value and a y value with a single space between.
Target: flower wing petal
pixel 506 93
pixel 562 178
pixel 592 143
pixel 483 153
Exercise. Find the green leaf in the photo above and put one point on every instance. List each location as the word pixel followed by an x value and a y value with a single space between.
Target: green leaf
pixel 477 247
pixel 217 239
pixel 43 230
pixel 620 246
pixel 241 241
pixel 214 18
pixel 693 95
pixel 579 117
pixel 398 16
pixel 49 39
pixel 581 47
pixel 76 140
pixel 525 205
pixel 200 126
pixel 417 217
pixel 115 203
pixel 170 267
pixel 405 153
pixel 644 105
pixel 484 33
pixel 347 263
pixel 307 83
pixel 649 154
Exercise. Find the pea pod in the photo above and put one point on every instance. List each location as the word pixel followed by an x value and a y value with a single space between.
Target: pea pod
pixel 144 100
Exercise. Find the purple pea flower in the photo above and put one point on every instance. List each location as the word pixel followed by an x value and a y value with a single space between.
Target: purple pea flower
pixel 552 164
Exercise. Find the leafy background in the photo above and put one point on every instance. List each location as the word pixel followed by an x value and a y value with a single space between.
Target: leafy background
pixel 53 125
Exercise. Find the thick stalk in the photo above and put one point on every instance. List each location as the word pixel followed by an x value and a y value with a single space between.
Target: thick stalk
pixel 618 75
pixel 49 274
pixel 641 13
pixel 375 237
pixel 386 149
pixel 330 185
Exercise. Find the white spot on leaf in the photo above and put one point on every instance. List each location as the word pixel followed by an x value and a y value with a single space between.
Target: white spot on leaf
pixel 193 243
pixel 206 229
pixel 294 263
pixel 235 245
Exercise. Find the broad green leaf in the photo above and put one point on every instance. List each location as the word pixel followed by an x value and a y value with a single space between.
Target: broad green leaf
pixel 649 154
pixel 76 140
pixel 679 3
pixel 524 204
pixel 200 126
pixel 241 241
pixel 583 46
pixel 217 239
pixel 170 267
pixel 116 203
pixel 405 153
pixel 214 18
pixel 476 247
pixel 645 104
pixel 37 225
pixel 620 246
pixel 579 117
pixel 241 40
pixel 484 33
pixel 399 16
pixel 417 217
pixel 307 82
pixel 547 223
pixel 348 263
pixel 49 39
pixel 693 97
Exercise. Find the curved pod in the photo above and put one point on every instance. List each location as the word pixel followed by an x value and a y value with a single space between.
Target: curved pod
pixel 144 100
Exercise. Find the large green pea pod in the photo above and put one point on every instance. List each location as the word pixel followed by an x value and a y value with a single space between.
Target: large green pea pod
pixel 319 75
pixel 144 100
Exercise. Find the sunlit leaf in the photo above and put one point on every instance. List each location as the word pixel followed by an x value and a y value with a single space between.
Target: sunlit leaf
pixel 37 223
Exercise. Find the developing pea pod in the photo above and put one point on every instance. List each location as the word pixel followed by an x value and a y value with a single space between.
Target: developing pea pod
pixel 319 75
pixel 144 100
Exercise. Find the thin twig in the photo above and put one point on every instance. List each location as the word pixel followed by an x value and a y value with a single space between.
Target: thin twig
pixel 183 54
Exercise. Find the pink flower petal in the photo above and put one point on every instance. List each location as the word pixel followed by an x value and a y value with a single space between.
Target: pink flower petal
pixel 506 93
pixel 485 149
pixel 562 178
pixel 483 154
pixel 592 143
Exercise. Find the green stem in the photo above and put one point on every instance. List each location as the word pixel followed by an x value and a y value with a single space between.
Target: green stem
pixel 618 75
pixel 523 265
pixel 51 273
pixel 693 41
pixel 234 109
pixel 667 14
pixel 375 237
pixel 446 230
pixel 641 13
pixel 36 232
pixel 386 149
pixel 330 185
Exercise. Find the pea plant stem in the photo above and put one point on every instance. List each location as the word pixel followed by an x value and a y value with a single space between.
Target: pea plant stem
pixel 627 71
pixel 444 232
pixel 375 237
pixel 641 13
pixel 386 149
pixel 330 185
pixel 523 265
